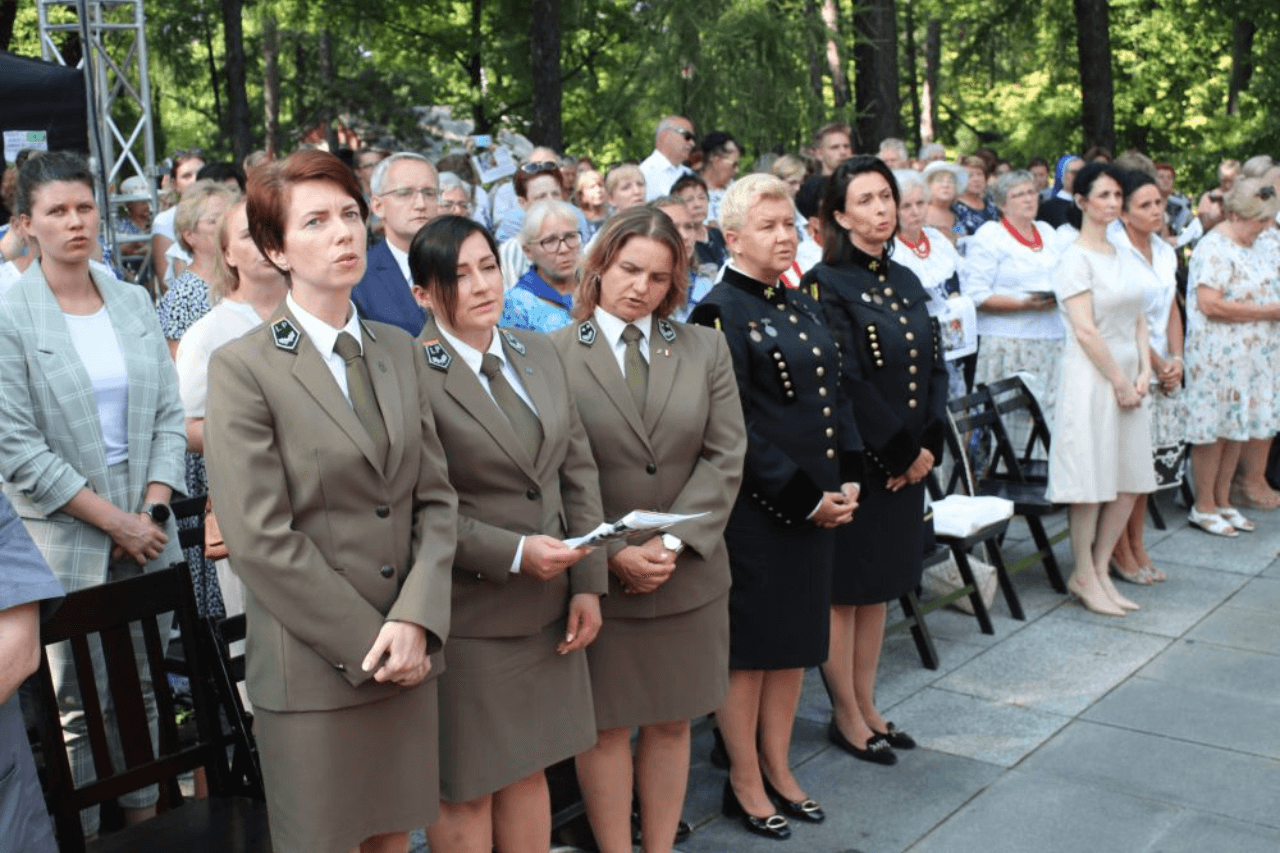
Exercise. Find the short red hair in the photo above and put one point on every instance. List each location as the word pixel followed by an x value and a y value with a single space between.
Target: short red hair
pixel 268 193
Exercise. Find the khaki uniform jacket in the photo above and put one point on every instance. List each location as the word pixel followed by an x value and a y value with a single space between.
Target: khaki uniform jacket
pixel 504 495
pixel 684 456
pixel 329 543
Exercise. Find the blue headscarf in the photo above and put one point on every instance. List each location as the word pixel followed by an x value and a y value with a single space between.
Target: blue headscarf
pixel 1059 171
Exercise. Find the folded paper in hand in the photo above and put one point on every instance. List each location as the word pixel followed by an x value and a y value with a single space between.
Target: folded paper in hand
pixel 636 521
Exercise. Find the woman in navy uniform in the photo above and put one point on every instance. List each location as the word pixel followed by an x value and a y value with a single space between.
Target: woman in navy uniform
pixel 895 376
pixel 798 485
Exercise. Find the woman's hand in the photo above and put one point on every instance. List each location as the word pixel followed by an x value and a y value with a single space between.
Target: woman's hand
pixel 643 568
pixel 836 509
pixel 919 469
pixel 544 557
pixel 1039 302
pixel 1143 383
pixel 1127 395
pixel 405 645
pixel 584 623
pixel 135 535
pixel 1169 375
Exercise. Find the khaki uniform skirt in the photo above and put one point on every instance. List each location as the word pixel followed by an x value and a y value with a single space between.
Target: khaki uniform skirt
pixel 661 670
pixel 335 778
pixel 509 707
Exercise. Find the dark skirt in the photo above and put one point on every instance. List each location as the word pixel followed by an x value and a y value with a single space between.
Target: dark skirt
pixel 780 602
pixel 661 670
pixel 880 554
pixel 509 707
pixel 335 778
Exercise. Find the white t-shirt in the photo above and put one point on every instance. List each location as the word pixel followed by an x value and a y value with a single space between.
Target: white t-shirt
pixel 163 223
pixel 225 322
pixel 99 349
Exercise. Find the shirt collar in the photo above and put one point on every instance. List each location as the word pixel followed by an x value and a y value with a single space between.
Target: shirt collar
pixel 533 282
pixel 612 327
pixel 402 261
pixel 469 354
pixel 774 294
pixel 322 335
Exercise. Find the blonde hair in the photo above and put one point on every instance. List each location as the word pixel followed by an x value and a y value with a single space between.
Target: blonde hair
pixel 193 204
pixel 788 166
pixel 745 194
pixel 226 278
pixel 1251 198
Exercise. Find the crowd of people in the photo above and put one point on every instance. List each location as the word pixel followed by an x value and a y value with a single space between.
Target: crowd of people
pixel 402 392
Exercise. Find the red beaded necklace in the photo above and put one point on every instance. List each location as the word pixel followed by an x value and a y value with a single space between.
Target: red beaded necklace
pixel 1035 244
pixel 920 249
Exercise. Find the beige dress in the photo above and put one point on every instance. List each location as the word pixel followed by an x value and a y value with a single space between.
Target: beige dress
pixel 1099 449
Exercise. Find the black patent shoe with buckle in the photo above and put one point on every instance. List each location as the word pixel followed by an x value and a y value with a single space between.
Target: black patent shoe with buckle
pixel 877 751
pixel 897 738
pixel 806 809
pixel 774 826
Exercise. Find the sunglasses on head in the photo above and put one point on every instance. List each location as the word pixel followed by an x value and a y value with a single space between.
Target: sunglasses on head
pixel 1266 193
pixel 183 155
pixel 540 167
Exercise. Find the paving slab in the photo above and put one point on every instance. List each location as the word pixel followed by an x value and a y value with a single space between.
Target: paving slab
pixel 1197 832
pixel 1162 769
pixel 1240 628
pixel 1226 670
pixel 1246 554
pixel 1172 608
pixel 869 807
pixel 981 729
pixel 1058 665
pixel 1193 713
pixel 1261 593
pixel 1025 812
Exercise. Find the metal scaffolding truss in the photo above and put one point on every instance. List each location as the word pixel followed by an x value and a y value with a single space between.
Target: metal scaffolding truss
pixel 118 92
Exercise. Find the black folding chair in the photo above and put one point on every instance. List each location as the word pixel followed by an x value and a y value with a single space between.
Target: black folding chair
pixel 976 411
pixel 1011 396
pixel 221 823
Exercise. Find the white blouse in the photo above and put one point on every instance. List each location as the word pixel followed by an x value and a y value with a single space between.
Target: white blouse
pixel 995 264
pixel 933 271
pixel 1159 280
pixel 225 322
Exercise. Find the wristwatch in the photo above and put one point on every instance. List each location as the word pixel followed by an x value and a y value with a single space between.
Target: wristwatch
pixel 159 513
pixel 672 543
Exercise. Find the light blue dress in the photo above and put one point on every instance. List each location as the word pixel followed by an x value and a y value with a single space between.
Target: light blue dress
pixel 535 305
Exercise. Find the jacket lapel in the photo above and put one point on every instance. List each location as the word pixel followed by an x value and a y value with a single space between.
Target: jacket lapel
pixel 664 358
pixel 534 380
pixel 312 372
pixel 68 381
pixel 387 390
pixel 604 367
pixel 464 387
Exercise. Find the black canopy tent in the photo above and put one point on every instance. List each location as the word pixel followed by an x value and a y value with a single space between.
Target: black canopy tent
pixel 39 95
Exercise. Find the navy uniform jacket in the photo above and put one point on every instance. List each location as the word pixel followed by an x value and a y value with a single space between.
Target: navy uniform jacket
pixel 24 577
pixel 801 437
pixel 894 371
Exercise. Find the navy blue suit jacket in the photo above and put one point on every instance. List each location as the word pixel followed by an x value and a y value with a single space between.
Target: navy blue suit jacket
pixel 383 294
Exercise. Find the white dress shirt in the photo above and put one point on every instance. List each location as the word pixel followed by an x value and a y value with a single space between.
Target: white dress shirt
pixel 659 175
pixel 402 261
pixel 323 337
pixel 473 359
pixel 1159 280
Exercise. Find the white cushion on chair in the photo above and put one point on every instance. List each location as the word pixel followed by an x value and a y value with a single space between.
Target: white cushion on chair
pixel 961 515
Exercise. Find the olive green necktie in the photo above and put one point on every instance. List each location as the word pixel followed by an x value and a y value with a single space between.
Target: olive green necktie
pixel 523 420
pixel 360 390
pixel 637 369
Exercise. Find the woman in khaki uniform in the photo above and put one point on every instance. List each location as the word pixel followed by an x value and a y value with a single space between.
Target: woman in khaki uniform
pixel 334 499
pixel 667 433
pixel 517 696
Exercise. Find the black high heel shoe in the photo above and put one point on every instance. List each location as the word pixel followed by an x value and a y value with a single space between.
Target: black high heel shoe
pixel 877 751
pixel 897 738
pixel 806 810
pixel 774 826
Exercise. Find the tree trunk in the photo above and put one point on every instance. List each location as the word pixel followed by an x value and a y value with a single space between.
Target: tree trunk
pixel 929 98
pixel 8 14
pixel 271 85
pixel 815 62
pixel 875 61
pixel 839 79
pixel 1241 62
pixel 301 76
pixel 1093 38
pixel 213 77
pixel 237 97
pixel 544 49
pixel 475 69
pixel 913 66
pixel 330 114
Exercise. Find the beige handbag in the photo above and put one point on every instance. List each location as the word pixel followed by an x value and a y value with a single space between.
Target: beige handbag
pixel 214 546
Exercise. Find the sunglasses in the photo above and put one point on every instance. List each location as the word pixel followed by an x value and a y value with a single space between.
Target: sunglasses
pixel 1266 193
pixel 688 135
pixel 539 168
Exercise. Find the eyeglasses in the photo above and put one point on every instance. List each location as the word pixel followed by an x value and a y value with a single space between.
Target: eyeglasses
pixel 463 207
pixel 553 243
pixel 540 167
pixel 407 193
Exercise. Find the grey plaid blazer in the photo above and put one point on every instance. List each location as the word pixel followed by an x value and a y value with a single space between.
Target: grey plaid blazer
pixel 51 442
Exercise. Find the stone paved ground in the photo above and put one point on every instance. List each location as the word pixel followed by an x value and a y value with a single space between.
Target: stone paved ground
pixel 1069 731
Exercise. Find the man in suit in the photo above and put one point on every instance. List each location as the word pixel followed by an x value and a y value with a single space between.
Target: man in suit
pixel 405 195
pixel 25 582
pixel 673 142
